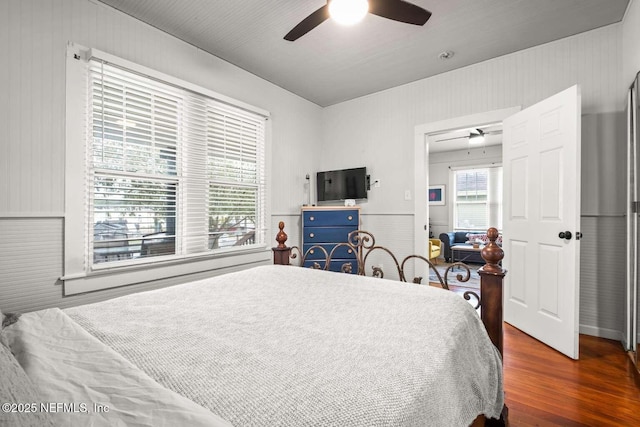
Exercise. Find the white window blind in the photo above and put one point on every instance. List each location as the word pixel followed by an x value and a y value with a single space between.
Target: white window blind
pixel 478 199
pixel 171 172
pixel 234 163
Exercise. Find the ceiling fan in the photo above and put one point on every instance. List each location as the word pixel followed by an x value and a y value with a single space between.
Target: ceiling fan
pixel 397 10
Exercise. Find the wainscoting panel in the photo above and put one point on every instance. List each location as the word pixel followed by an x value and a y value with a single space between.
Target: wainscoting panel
pixel 31 264
pixel 602 276
pixel 394 232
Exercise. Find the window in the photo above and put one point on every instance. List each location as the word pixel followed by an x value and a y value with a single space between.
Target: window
pixel 171 172
pixel 163 177
pixel 477 198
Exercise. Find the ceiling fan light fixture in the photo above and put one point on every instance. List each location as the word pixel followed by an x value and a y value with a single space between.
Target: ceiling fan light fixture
pixel 348 12
pixel 476 138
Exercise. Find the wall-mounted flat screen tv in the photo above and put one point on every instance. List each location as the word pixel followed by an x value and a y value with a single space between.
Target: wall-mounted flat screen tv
pixel 342 184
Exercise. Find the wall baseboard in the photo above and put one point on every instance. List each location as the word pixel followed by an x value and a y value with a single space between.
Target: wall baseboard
pixel 601 332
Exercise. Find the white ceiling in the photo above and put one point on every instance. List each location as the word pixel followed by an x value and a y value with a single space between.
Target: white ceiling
pixel 332 63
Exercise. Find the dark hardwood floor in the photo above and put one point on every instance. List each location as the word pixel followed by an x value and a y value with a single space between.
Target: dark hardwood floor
pixel 546 388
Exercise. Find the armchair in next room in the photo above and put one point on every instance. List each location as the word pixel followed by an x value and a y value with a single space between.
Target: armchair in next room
pixel 435 248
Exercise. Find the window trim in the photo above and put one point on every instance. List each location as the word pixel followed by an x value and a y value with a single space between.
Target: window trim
pixel 79 275
pixel 454 171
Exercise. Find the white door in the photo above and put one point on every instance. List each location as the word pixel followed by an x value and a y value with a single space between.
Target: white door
pixel 541 160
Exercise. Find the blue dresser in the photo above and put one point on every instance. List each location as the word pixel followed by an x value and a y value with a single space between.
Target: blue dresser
pixel 328 226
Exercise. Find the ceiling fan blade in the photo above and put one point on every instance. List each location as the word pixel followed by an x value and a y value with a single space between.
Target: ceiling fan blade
pixel 308 23
pixel 399 10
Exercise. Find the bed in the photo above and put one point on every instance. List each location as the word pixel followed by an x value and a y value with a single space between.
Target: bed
pixel 268 346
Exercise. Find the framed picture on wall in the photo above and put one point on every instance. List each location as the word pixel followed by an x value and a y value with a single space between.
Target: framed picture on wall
pixel 436 195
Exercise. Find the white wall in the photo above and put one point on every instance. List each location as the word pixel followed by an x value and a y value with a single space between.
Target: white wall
pixel 379 132
pixel 33 39
pixel 378 129
pixel 631 42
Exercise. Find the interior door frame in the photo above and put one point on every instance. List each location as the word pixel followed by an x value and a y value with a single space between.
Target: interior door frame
pixel 631 330
pixel 421 169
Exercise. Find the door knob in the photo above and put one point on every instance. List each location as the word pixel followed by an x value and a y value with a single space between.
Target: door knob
pixel 565 235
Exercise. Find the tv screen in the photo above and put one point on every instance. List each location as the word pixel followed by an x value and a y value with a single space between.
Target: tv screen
pixel 342 184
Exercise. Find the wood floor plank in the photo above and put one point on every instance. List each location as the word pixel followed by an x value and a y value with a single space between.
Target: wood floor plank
pixel 546 388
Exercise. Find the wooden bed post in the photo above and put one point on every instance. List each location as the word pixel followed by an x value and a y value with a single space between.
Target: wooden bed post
pixel 491 285
pixel 281 253
pixel 491 281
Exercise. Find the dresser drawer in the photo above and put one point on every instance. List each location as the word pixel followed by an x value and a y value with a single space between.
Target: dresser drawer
pixel 319 218
pixel 327 234
pixel 342 252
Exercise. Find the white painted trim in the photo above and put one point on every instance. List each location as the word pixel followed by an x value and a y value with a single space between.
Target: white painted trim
pixel 421 163
pixel 595 331
pixel 75 161
pixel 78 284
pixel 626 11
pixel 268 173
pixel 31 215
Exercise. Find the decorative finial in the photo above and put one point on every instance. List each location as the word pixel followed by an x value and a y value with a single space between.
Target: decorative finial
pixel 281 237
pixel 492 253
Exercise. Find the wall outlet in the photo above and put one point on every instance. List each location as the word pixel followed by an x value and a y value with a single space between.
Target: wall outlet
pixel 376 183
pixel 407 194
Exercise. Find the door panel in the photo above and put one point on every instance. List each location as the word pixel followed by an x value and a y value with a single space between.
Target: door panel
pixel 541 153
pixel 517 292
pixel 549 286
pixel 551 185
pixel 520 189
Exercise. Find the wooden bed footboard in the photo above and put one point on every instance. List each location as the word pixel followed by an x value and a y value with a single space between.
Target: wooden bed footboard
pixel 489 302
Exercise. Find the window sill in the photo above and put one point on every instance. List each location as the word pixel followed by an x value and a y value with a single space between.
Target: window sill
pixel 105 278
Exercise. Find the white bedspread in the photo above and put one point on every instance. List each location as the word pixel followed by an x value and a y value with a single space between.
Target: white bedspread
pixel 82 382
pixel 287 346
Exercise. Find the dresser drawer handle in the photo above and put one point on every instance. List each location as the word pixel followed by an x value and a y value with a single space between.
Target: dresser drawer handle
pixel 350 217
pixel 350 251
pixel 312 235
pixel 311 251
pixel 311 218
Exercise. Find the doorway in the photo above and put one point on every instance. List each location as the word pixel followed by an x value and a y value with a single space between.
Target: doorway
pixel 424 136
pixel 541 221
